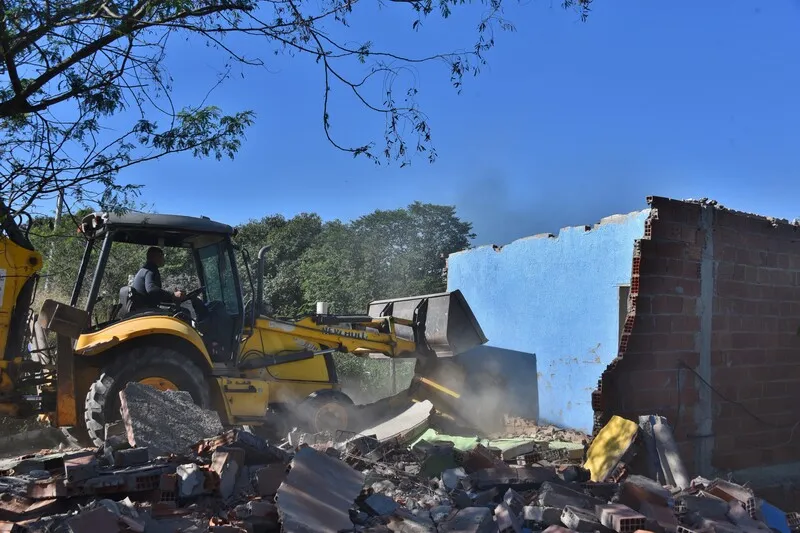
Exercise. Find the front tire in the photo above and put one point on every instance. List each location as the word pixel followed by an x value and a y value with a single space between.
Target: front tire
pixel 327 411
pixel 161 367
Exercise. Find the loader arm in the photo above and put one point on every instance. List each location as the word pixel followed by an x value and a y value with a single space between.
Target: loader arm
pixel 361 339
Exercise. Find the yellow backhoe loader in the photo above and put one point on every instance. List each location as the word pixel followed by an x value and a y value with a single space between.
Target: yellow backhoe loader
pixel 250 368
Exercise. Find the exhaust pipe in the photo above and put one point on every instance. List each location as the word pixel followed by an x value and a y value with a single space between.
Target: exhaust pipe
pixel 258 301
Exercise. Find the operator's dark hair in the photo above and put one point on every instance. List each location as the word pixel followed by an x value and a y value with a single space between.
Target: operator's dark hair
pixel 153 252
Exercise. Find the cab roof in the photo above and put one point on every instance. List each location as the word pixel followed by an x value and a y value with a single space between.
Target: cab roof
pixel 153 229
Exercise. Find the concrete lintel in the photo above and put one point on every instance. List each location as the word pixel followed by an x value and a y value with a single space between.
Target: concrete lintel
pixel 704 448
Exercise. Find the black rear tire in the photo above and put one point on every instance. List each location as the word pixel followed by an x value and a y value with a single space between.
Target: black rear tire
pixel 137 364
pixel 326 410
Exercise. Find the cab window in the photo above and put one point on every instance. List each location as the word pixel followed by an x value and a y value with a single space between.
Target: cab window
pixel 218 276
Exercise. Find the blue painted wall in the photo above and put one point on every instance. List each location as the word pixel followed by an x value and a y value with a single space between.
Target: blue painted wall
pixel 557 298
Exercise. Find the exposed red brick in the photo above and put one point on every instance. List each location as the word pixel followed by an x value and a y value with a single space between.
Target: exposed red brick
pixel 754 341
pixel 670 305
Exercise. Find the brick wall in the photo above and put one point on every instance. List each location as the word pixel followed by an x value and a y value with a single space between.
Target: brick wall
pixel 715 294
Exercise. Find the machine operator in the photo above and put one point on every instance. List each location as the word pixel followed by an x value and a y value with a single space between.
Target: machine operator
pixel 147 282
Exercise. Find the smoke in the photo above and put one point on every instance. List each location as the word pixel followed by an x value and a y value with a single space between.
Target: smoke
pixel 503 208
pixel 497 217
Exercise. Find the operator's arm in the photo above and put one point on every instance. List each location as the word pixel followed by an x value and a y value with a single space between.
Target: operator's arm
pixel 153 288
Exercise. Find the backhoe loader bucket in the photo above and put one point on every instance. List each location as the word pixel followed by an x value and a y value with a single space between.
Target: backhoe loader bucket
pixel 444 327
pixel 443 323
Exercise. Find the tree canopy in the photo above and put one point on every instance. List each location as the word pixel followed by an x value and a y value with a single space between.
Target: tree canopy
pixel 84 92
pixel 385 254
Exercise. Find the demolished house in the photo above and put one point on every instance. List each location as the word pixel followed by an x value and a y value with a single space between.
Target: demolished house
pixel 685 309
pixel 417 479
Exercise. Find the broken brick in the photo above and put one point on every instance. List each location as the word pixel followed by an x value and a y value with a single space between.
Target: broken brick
pixel 521 449
pixel 257 451
pixel 793 519
pixel 620 518
pixel 11 527
pixel 131 457
pixel 14 508
pixel 730 491
pixel 480 458
pixel 579 519
pixel 46 489
pixel 739 516
pixel 80 467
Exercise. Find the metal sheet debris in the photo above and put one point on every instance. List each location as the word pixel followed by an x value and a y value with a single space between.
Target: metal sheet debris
pixel 317 493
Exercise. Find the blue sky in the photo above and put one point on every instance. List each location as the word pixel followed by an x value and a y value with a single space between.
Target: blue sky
pixel 570 121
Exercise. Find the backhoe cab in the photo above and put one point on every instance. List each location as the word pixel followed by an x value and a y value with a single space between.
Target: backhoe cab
pixel 252 369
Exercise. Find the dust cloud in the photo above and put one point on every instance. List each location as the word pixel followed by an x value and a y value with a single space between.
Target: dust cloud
pixel 502 210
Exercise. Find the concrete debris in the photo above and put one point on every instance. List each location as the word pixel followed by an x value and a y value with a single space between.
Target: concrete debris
pixel 471 520
pixel 131 457
pixel 269 478
pixel 507 520
pixel 164 421
pixel 669 459
pixel 452 478
pixel 235 481
pixel 227 462
pixel 514 501
pixel 380 505
pixel 256 450
pixel 97 519
pixel 191 480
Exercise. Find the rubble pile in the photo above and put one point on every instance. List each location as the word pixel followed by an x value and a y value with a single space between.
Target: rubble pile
pixel 234 481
